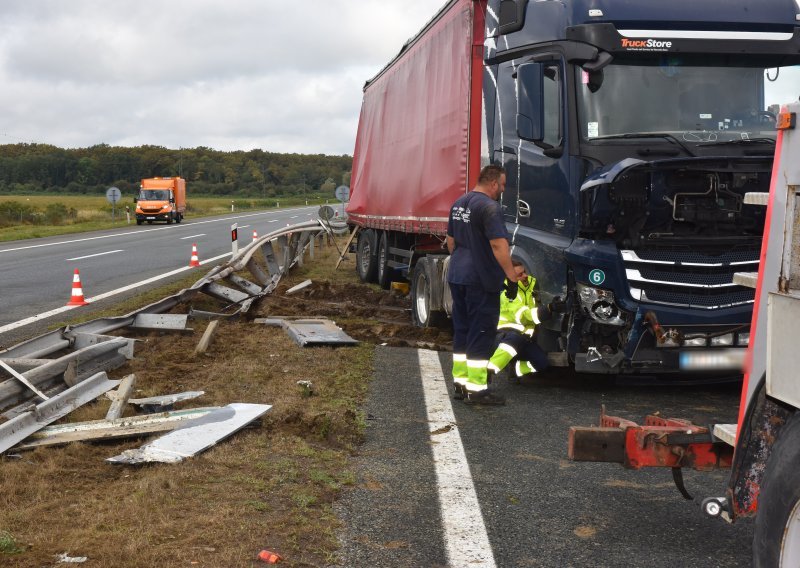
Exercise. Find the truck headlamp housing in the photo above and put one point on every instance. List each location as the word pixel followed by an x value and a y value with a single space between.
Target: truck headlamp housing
pixel 599 304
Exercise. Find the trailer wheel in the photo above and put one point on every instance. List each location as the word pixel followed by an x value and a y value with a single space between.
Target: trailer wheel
pixel 366 256
pixel 776 542
pixel 421 291
pixel 385 272
pixel 179 218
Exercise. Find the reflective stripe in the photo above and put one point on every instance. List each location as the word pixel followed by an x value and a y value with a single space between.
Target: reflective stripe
pixel 519 313
pixel 493 367
pixel 516 326
pixel 529 332
pixel 477 364
pixel 472 387
pixel 523 368
pixel 460 357
pixel 460 380
pixel 535 316
pixel 508 349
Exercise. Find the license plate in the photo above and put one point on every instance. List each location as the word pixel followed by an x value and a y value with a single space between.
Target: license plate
pixel 713 359
pixel 149 218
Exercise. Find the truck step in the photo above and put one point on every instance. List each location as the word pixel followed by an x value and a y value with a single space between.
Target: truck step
pixel 726 433
pixel 756 198
pixel 749 279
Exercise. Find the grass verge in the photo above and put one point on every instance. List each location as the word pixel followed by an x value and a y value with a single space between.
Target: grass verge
pixel 270 486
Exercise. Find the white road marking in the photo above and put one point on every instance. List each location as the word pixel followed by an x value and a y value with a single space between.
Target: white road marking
pixel 44 315
pixel 243 226
pixel 140 231
pixel 93 255
pixel 293 217
pixel 466 539
pixel 273 221
pixel 193 236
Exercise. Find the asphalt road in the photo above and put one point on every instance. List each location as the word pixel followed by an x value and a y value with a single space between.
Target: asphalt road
pixel 539 509
pixel 36 274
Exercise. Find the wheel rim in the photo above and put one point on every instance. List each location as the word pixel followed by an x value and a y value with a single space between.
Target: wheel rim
pixel 422 300
pixel 790 549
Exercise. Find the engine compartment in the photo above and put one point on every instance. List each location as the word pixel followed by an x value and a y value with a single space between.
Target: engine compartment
pixel 652 204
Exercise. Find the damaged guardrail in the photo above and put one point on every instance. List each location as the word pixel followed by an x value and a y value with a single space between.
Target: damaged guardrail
pixel 83 352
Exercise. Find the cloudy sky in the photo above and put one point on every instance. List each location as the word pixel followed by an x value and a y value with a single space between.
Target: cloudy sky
pixel 227 74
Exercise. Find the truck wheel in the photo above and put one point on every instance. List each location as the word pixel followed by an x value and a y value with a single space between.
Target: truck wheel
pixel 385 272
pixel 366 256
pixel 138 221
pixel 149 222
pixel 422 284
pixel 169 219
pixel 776 541
pixel 179 218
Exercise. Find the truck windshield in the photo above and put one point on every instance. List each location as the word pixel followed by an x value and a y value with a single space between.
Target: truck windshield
pixel 692 103
pixel 154 195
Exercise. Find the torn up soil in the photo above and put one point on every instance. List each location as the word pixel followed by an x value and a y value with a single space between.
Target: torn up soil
pixel 364 312
pixel 270 486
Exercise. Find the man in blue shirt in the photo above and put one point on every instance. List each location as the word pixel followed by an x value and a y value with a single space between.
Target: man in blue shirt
pixel 480 261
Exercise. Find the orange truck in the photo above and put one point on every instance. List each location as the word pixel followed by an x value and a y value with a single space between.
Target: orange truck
pixel 161 199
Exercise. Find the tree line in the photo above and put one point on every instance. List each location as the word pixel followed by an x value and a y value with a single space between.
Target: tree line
pixel 42 168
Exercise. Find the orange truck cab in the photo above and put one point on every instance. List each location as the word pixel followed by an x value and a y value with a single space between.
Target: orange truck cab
pixel 161 199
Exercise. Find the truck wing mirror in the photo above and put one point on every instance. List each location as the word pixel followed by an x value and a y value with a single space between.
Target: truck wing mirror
pixel 530 111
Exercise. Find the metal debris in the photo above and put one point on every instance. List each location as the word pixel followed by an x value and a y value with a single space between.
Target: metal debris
pixel 161 322
pixel 22 426
pixel 195 436
pixel 130 427
pixel 66 559
pixel 165 401
pixel 310 332
pixel 301 286
pixel 121 397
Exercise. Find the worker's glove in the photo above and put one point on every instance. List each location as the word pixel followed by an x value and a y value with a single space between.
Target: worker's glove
pixel 511 290
pixel 557 306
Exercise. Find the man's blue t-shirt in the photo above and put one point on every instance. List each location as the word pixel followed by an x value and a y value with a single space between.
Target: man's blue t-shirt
pixel 475 219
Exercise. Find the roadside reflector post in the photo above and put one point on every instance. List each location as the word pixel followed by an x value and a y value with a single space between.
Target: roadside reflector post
pixel 235 238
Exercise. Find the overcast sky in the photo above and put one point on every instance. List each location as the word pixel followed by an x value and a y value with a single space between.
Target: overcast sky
pixel 228 74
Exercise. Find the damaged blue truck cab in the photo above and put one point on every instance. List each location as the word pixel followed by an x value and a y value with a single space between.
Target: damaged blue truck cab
pixel 630 133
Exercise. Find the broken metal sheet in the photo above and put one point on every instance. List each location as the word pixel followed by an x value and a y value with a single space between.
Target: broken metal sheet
pixel 258 272
pixel 310 332
pixel 304 284
pixel 246 285
pixel 166 399
pixel 19 428
pixel 201 314
pixel 270 258
pixel 224 293
pixel 161 322
pixel 129 427
pixel 195 436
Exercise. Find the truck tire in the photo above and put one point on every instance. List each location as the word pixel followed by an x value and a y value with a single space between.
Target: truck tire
pixel 776 542
pixel 139 221
pixel 179 218
pixel 385 272
pixel 367 256
pixel 169 219
pixel 422 312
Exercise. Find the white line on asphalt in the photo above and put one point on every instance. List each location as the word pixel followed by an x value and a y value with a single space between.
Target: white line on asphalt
pixel 244 226
pixel 44 315
pixel 193 236
pixel 93 255
pixel 293 217
pixel 140 231
pixel 272 221
pixel 465 535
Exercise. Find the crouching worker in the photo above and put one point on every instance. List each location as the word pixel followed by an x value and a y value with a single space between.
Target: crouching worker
pixel 519 316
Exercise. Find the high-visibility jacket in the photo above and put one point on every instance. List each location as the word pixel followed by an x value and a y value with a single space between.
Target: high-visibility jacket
pixel 521 313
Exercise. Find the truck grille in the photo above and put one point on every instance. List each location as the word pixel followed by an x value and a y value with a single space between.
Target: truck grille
pixel 689 278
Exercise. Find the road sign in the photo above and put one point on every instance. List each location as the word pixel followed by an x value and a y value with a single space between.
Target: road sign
pixel 326 213
pixel 113 194
pixel 342 193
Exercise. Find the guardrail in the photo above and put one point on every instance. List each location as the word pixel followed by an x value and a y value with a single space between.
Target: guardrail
pixel 81 351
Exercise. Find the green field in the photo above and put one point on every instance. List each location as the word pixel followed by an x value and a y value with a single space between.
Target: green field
pixel 32 216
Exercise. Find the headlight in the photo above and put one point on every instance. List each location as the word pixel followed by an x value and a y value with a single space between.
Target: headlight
pixel 743 339
pixel 695 342
pixel 600 305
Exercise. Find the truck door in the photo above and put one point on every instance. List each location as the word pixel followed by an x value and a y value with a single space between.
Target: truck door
pixel 544 209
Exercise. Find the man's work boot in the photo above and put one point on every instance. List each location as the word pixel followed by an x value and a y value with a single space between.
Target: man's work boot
pixel 485 397
pixel 458 391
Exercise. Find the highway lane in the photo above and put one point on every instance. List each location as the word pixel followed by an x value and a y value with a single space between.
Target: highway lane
pixel 516 500
pixel 36 274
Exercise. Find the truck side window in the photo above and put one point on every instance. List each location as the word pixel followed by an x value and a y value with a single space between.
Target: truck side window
pixel 551 102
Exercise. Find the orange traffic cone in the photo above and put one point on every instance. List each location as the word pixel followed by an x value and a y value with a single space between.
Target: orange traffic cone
pixel 269 557
pixel 194 261
pixel 255 235
pixel 77 298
